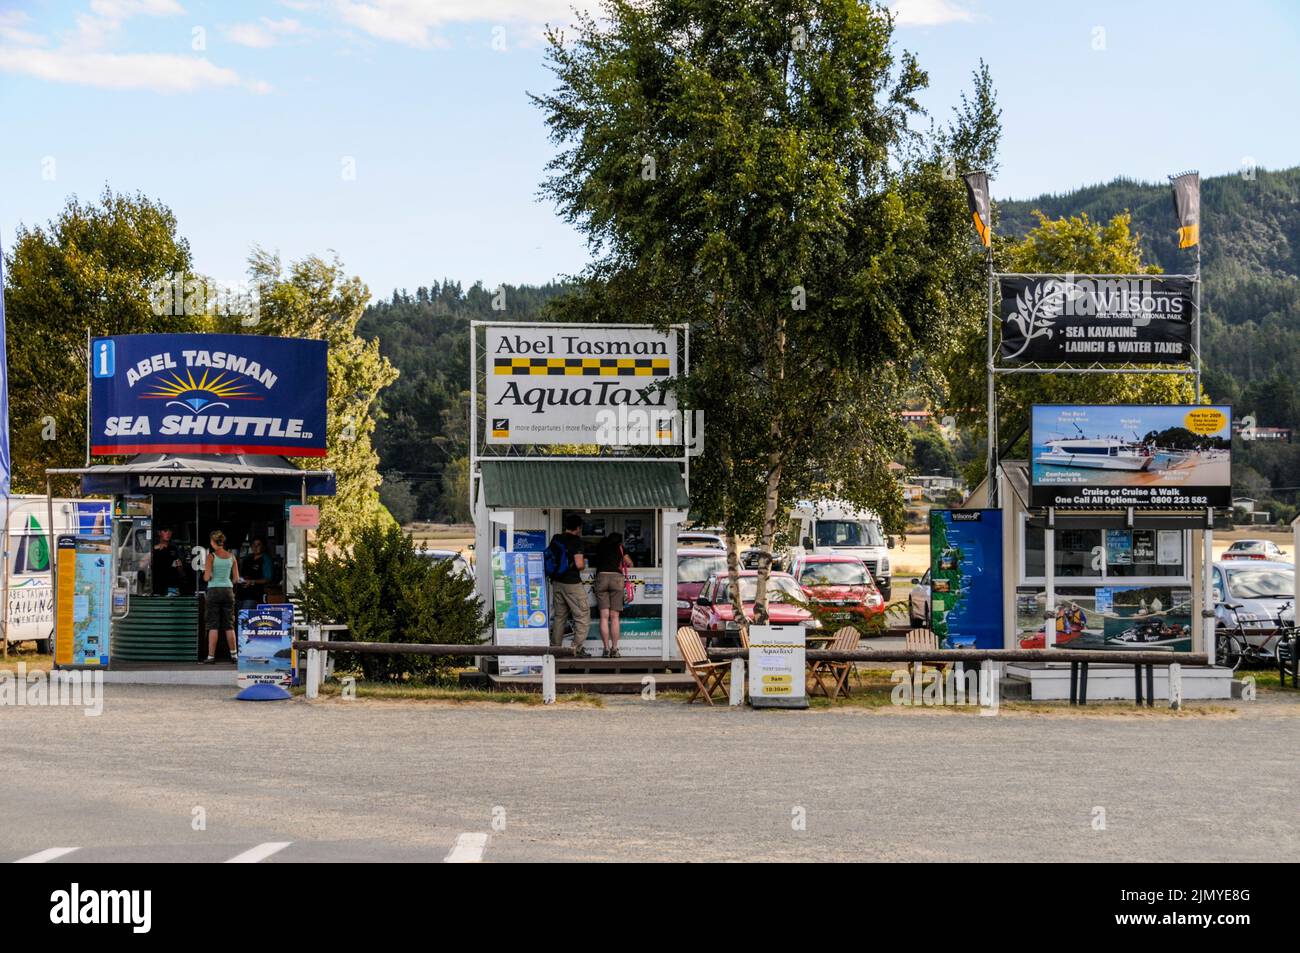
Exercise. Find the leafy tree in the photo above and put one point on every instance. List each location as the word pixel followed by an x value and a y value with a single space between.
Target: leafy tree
pixel 315 299
pixel 96 267
pixel 395 493
pixel 931 454
pixel 748 166
pixel 385 591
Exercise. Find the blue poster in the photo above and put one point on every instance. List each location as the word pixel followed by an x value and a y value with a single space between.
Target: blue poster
pixel 966 578
pixel 526 540
pixel 265 640
pixel 207 393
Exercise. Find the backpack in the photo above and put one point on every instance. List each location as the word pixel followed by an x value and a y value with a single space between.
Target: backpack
pixel 556 560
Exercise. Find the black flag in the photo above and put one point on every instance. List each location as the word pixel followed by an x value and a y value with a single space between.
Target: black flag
pixel 977 197
pixel 1187 207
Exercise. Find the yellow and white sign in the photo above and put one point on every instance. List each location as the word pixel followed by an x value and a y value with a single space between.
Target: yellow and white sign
pixel 776 666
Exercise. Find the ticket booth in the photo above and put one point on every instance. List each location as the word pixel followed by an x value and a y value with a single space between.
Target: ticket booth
pixel 521 504
pixel 247 497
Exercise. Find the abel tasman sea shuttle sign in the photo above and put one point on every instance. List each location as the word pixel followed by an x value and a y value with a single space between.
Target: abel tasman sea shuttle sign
pixel 207 393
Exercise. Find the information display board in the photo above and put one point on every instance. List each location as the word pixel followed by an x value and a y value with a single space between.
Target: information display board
pixel 520 600
pixel 265 640
pixel 966 578
pixel 83 606
pixel 776 666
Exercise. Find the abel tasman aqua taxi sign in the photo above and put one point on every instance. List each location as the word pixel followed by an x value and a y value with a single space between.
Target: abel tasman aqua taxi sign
pixel 207 394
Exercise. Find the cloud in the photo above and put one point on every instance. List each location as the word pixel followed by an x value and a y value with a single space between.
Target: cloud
pixel 265 34
pixel 415 22
pixel 158 72
pixel 11 29
pixel 929 12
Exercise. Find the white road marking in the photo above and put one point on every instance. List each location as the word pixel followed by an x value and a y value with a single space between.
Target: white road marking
pixel 468 850
pixel 259 853
pixel 43 856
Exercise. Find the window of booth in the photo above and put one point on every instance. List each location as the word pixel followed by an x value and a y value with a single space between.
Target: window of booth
pixel 1085 556
pixel 638 527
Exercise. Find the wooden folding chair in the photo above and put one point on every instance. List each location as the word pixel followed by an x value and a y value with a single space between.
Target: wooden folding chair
pixel 845 640
pixel 920 640
pixel 709 676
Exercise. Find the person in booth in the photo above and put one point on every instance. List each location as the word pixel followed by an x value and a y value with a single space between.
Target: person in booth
pixel 222 575
pixel 612 563
pixel 565 562
pixel 256 571
pixel 165 565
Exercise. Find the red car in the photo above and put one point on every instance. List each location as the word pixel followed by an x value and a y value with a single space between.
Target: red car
pixel 714 613
pixel 841 585
pixel 694 567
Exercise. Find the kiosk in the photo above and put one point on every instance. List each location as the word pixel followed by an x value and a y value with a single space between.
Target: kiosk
pixel 582 418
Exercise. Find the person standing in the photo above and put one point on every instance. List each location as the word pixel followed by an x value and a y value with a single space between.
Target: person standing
pixel 165 565
pixel 257 570
pixel 221 574
pixel 611 563
pixel 569 595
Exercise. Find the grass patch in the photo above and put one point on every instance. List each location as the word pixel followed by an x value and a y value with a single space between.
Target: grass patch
pixel 440 693
pixel 35 661
pixel 1267 679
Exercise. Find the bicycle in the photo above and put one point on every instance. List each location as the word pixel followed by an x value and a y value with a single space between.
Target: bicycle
pixel 1232 646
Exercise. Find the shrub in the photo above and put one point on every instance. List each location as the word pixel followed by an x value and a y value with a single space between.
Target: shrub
pixel 385 591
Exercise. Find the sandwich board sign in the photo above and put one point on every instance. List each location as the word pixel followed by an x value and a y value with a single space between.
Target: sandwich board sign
pixel 776 666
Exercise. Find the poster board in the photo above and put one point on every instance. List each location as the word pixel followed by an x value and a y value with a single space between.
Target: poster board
pixel 520 598
pixel 83 603
pixel 776 666
pixel 265 641
pixel 966 578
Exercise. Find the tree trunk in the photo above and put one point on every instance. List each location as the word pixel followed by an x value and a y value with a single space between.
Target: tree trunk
pixel 775 464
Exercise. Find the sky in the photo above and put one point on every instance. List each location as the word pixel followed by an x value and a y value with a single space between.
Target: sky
pixel 398 133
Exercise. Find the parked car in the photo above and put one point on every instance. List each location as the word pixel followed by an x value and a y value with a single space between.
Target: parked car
pixel 749 559
pixel 1254 549
pixel 918 601
pixel 694 567
pixel 1258 595
pixel 458 564
pixel 831 526
pixel 714 613
pixel 693 539
pixel 841 584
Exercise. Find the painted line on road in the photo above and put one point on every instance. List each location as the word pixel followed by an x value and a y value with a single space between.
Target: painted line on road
pixel 44 856
pixel 468 850
pixel 259 853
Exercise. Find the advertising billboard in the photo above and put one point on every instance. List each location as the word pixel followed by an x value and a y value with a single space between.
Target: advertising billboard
pixel 207 393
pixel 265 641
pixel 595 384
pixel 1112 618
pixel 1117 456
pixel 1096 319
pixel 966 578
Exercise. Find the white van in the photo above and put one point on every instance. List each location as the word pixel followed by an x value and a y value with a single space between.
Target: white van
pixel 831 526
pixel 31 596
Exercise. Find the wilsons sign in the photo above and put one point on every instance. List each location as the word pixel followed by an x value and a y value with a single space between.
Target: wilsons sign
pixel 1090 319
pixel 207 393
pixel 588 385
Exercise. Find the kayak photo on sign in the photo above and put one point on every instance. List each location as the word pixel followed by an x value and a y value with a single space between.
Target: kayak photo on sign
pixel 1131 455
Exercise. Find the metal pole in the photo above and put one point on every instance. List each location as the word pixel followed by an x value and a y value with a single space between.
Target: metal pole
pixel 88 359
pixel 1049 578
pixel 53 556
pixel 991 464
pixel 1207 590
pixel 473 414
pixel 1196 288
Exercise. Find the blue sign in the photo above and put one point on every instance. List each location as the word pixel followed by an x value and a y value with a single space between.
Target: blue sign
pixel 266 645
pixel 966 578
pixel 5 461
pixel 526 540
pixel 208 393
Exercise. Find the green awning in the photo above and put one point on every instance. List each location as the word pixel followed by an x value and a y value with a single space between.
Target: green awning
pixel 579 484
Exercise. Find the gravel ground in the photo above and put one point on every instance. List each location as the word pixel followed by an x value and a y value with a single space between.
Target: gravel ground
pixel 639 780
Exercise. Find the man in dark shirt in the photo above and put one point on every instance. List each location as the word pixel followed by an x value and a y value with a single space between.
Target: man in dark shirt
pixel 165 565
pixel 256 570
pixel 569 594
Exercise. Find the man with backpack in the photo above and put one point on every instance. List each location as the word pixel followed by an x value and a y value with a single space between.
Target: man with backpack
pixel 564 563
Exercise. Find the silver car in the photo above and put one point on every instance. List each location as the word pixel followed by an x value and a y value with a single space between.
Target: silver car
pixel 918 601
pixel 1257 594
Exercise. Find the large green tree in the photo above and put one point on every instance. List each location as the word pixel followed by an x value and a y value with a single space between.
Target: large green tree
pixel 751 167
pixel 96 268
pixel 316 298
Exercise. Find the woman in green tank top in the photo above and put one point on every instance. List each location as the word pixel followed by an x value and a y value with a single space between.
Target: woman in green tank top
pixel 221 574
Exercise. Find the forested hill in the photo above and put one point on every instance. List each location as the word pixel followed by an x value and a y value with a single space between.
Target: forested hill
pixel 424 435
pixel 1250 238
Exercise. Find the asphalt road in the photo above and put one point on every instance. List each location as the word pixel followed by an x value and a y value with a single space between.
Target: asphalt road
pixel 638 780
